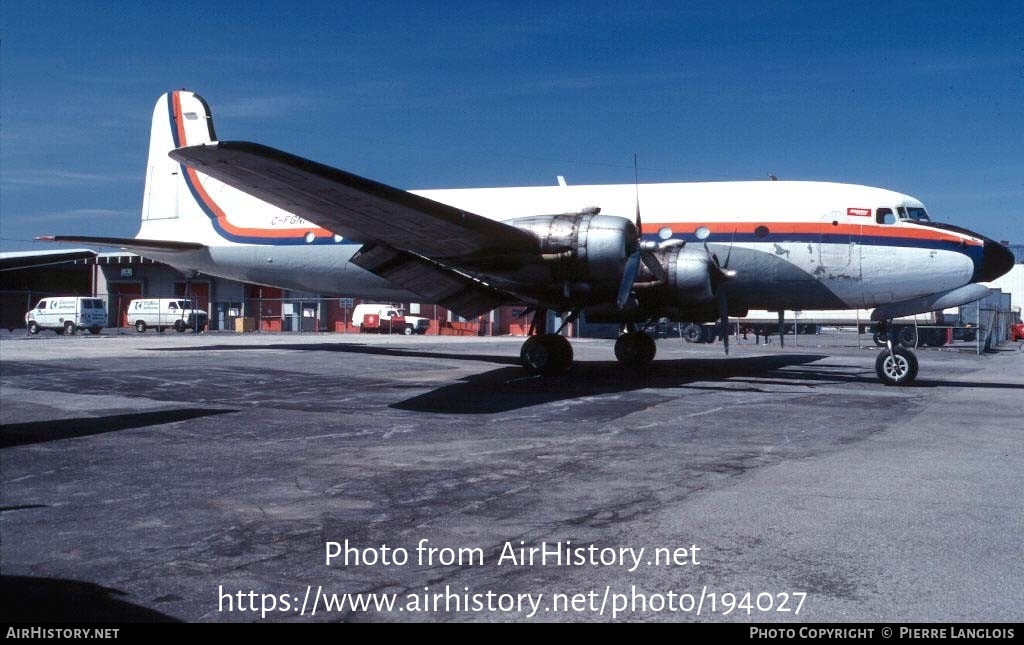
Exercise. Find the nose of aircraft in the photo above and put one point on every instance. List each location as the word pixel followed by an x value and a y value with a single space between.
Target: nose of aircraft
pixel 996 260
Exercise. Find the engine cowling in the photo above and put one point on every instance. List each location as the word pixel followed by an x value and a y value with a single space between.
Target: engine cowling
pixel 585 250
pixel 690 274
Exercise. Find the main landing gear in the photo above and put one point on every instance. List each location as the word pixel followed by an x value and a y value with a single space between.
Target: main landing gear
pixel 895 365
pixel 635 349
pixel 547 354
pixel 551 354
pixel 544 353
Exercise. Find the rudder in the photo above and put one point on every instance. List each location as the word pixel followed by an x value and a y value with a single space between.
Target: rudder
pixel 180 118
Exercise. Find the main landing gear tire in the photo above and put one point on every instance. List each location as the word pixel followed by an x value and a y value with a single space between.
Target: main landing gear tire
pixel 140 326
pixel 908 336
pixel 635 349
pixel 692 333
pixel 69 328
pixel 879 337
pixel 547 354
pixel 897 368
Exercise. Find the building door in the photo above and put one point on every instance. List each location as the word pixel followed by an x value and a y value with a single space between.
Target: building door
pixel 119 296
pixel 198 292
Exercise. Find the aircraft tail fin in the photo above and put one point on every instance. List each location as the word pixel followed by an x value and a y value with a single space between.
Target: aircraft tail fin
pixel 170 210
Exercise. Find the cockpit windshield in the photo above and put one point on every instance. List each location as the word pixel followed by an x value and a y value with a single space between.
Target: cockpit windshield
pixel 913 214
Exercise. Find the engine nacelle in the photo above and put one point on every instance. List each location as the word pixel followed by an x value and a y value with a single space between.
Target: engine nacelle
pixel 586 250
pixel 690 274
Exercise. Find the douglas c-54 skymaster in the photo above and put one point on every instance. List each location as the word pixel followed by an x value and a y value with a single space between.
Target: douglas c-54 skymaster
pixel 704 251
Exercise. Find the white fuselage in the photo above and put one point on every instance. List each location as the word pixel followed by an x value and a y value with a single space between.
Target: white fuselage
pixel 793 244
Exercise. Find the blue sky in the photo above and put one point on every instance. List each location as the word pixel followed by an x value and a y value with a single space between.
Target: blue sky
pixel 925 98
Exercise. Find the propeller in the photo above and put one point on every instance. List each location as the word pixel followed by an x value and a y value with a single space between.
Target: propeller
pixel 721 274
pixel 643 253
pixel 628 278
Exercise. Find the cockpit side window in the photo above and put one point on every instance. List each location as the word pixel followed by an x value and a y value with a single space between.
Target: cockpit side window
pixel 913 214
pixel 885 216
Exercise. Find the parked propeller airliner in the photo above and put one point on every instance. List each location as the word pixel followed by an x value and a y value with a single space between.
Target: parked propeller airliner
pixel 703 251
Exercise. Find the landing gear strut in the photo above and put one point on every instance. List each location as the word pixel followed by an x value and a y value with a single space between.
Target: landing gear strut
pixel 895 365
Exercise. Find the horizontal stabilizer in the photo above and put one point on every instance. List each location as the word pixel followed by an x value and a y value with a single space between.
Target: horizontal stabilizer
pixel 129 243
pixel 452 290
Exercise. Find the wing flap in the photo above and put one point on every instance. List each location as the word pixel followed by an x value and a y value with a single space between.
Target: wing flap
pixel 452 290
pixel 355 207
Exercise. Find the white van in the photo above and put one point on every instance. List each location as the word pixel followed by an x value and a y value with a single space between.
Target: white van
pixel 67 314
pixel 390 319
pixel 160 313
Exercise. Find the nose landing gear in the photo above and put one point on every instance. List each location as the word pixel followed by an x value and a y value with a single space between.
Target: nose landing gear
pixel 895 365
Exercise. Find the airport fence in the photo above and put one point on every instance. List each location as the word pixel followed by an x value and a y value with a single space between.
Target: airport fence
pixel 14 303
pixel 325 315
pixel 995 316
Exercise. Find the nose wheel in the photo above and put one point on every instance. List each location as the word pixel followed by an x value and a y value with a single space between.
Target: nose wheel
pixel 896 368
pixel 895 365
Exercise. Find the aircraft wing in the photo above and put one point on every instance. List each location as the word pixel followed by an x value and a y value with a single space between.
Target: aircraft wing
pixel 23 260
pixel 355 207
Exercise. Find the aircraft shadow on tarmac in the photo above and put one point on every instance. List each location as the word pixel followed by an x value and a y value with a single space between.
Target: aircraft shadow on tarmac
pixel 55 600
pixel 20 434
pixel 351 348
pixel 511 388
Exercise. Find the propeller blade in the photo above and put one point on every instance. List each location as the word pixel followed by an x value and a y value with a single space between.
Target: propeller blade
pixel 728 254
pixel 632 268
pixel 636 189
pixel 628 278
pixel 723 310
pixel 651 262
